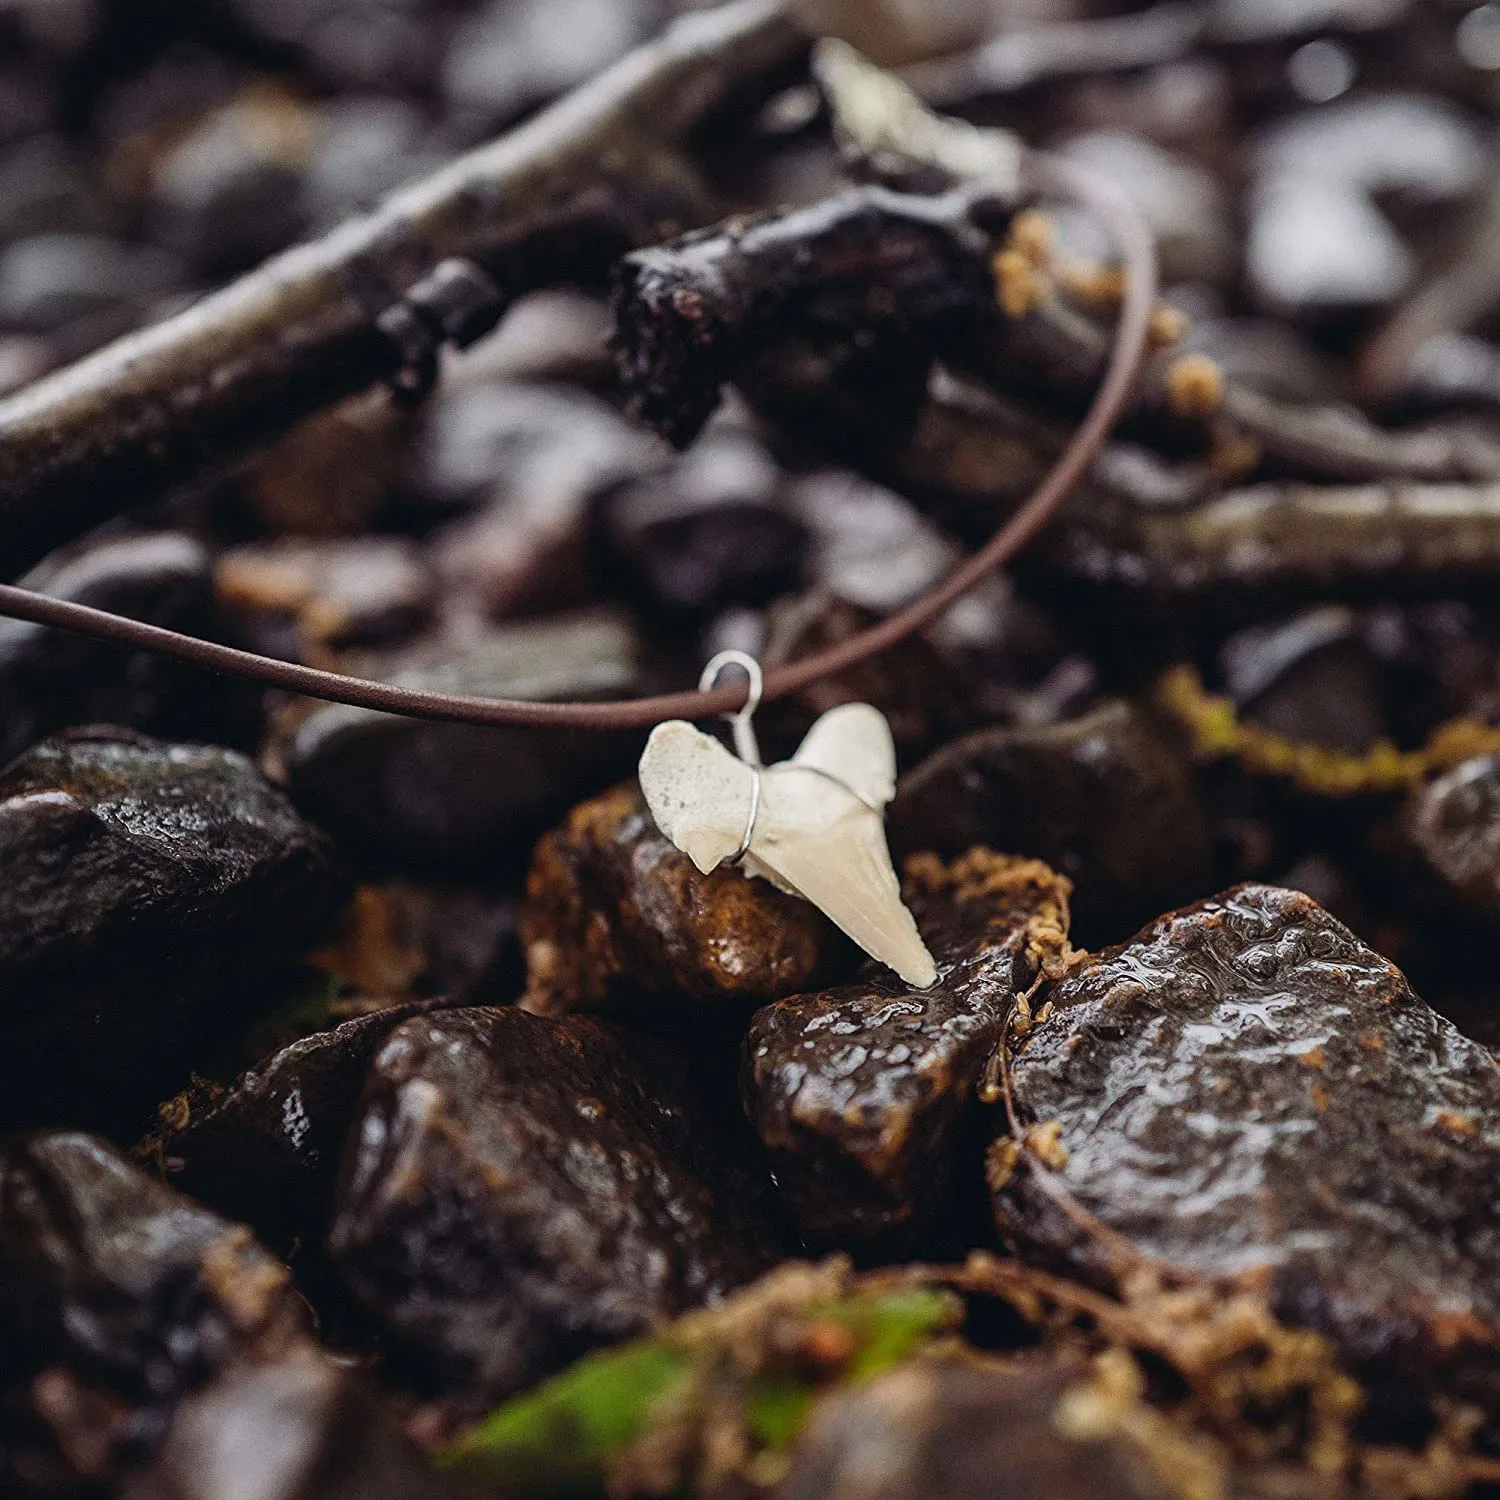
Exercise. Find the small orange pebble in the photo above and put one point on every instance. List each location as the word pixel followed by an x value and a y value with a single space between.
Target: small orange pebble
pixel 1169 325
pixel 1018 285
pixel 1031 233
pixel 1195 385
pixel 1455 1123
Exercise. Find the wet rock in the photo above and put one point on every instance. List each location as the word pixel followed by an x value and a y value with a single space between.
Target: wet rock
pixel 519 1189
pixel 51 280
pixel 228 193
pixel 916 685
pixel 709 532
pixel 514 54
pixel 496 442
pixel 870 547
pixel 118 1297
pixel 391 44
pixel 1315 248
pixel 266 1151
pixel 49 679
pixel 959 1427
pixel 617 918
pixel 530 461
pixel 155 1351
pixel 1102 798
pixel 146 888
pixel 298 1429
pixel 1184 205
pixel 864 1095
pixel 1310 678
pixel 411 790
pixel 435 939
pixel 366 145
pixel 1317 241
pixel 1245 1091
pixel 331 475
pixel 44 189
pixel 1453 823
pixel 360 591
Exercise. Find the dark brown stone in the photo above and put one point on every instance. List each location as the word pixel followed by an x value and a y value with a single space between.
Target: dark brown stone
pixel 146 887
pixel 864 1094
pixel 1103 798
pixel 958 1427
pixel 1246 1091
pixel 616 916
pixel 519 1189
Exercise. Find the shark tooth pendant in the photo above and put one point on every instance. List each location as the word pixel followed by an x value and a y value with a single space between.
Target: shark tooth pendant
pixel 813 825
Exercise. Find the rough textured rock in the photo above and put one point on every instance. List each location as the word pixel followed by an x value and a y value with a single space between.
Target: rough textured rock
pixel 956 1427
pixel 409 789
pixel 1246 1091
pixel 145 887
pixel 863 1094
pixel 1102 798
pixel 617 917
pixel 518 1189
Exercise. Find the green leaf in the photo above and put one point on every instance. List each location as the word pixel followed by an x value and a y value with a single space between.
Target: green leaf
pixel 558 1441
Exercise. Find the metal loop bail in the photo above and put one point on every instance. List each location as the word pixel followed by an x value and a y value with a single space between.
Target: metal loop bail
pixel 745 744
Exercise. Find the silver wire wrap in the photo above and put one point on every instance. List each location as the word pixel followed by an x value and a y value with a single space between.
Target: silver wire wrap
pixel 748 748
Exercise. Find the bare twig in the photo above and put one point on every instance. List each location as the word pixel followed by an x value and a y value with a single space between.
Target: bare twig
pixel 1048 348
pixel 554 201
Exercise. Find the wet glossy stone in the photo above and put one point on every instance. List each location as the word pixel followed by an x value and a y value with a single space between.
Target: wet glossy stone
pixel 1103 798
pixel 228 191
pixel 1246 1091
pixel 359 591
pixel 511 56
pixel 958 1427
pixel 519 1189
pixel 708 533
pixel 1454 825
pixel 1311 678
pixel 616 918
pixel 864 1094
pixel 419 791
pixel 145 888
pixel 51 280
pixel 153 1350
pixel 49 679
pixel 488 441
pixel 118 1297
pixel 266 1151
pixel 920 688
pixel 296 1429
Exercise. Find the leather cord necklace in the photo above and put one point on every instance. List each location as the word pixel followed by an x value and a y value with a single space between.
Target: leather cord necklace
pixel 1130 346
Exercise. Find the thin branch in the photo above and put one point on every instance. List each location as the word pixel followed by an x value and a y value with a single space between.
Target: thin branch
pixel 554 201
pixel 1050 349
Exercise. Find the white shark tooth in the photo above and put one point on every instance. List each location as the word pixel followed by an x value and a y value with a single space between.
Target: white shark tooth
pixel 816 827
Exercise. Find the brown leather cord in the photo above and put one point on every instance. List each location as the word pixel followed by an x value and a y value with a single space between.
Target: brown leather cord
pixel 1138 257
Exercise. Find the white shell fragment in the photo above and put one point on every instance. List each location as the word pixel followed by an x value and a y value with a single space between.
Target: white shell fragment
pixel 819 836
